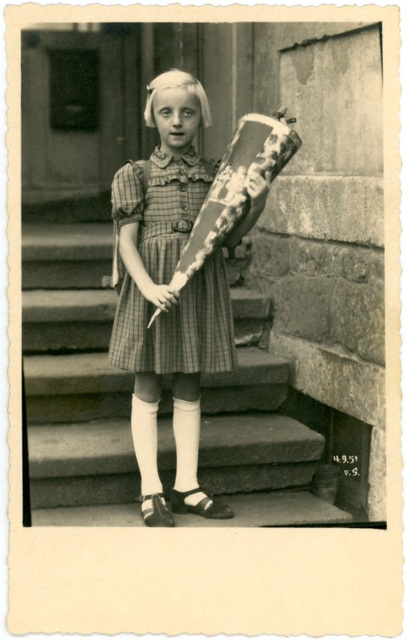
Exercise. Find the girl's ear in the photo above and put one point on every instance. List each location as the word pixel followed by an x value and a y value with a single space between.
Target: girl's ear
pixel 153 124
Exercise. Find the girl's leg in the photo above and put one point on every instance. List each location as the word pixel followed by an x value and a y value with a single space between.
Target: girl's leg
pixel 147 392
pixel 148 386
pixel 186 424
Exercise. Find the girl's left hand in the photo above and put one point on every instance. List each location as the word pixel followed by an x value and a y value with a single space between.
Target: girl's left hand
pixel 258 189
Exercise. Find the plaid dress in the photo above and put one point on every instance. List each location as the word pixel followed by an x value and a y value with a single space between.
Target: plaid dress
pixel 197 334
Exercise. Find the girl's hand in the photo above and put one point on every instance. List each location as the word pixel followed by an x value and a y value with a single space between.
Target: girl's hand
pixel 161 295
pixel 258 189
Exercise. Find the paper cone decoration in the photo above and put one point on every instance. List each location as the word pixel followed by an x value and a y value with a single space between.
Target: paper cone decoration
pixel 259 144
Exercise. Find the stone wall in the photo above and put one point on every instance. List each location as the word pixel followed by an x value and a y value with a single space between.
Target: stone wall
pixel 318 249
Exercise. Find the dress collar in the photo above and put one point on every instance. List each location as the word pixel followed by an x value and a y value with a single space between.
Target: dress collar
pixel 162 159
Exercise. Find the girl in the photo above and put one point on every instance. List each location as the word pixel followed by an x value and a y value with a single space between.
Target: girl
pixel 196 335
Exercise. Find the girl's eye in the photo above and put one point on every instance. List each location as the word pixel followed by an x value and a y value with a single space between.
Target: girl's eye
pixel 165 113
pixel 188 113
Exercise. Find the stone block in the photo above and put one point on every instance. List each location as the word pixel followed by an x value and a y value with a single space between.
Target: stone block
pixel 79 407
pixel 69 306
pixel 92 373
pixel 83 490
pixel 302 32
pixel 333 294
pixel 93 406
pixel 121 488
pixel 377 476
pixel 311 258
pixel 358 320
pixel 77 305
pixel 72 242
pixel 256 477
pixel 338 380
pixel 354 263
pixel 63 256
pixel 65 274
pixel 263 509
pixel 249 304
pixel 270 254
pixel 330 85
pixel 79 335
pixel 106 446
pixel 363 265
pixel 282 35
pixel 347 209
pixel 60 336
pixel 301 307
pixel 54 204
pixel 248 332
pixel 262 283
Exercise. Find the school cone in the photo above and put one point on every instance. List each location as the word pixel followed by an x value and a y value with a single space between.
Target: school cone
pixel 259 144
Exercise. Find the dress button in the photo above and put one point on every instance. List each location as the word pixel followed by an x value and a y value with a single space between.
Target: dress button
pixel 184 207
pixel 181 172
pixel 182 188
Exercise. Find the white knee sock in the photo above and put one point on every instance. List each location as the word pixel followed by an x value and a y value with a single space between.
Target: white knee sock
pixel 187 424
pixel 144 432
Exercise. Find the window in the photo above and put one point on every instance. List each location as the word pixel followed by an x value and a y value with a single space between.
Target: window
pixel 74 89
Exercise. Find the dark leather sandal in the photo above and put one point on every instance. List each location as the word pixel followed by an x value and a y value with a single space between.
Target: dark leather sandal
pixel 207 507
pixel 158 515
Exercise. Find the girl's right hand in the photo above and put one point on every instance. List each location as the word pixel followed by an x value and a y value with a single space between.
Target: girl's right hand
pixel 161 295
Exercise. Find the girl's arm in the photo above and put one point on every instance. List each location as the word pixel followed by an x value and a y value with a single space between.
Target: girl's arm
pixel 160 295
pixel 257 190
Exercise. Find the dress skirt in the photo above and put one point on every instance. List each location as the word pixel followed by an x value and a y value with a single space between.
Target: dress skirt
pixel 197 335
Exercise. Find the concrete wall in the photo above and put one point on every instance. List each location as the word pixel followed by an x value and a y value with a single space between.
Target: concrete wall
pixel 318 249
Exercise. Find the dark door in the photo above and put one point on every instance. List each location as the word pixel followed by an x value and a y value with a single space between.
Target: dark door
pixel 80 109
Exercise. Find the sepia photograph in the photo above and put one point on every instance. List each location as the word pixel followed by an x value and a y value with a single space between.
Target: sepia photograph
pixel 200 260
pixel 279 343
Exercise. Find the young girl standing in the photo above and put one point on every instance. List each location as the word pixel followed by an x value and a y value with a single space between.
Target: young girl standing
pixel 196 334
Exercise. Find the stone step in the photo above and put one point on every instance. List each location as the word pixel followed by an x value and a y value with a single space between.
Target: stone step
pixel 82 319
pixel 94 463
pixel 81 387
pixel 87 205
pixel 60 256
pixel 79 255
pixel 272 509
pixel 80 242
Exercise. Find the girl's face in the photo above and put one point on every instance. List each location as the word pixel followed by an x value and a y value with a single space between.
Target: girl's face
pixel 177 114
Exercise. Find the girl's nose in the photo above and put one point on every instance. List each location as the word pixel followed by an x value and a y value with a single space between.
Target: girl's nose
pixel 176 121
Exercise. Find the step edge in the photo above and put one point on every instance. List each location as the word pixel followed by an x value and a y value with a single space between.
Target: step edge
pixel 274 369
pixel 78 309
pixel 43 468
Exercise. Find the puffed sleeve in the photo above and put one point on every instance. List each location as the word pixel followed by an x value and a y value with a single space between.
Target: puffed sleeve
pixel 128 194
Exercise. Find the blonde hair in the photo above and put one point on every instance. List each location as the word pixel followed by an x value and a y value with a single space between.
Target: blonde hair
pixel 177 78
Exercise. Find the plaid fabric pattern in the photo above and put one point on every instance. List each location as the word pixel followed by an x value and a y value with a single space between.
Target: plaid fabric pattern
pixel 198 334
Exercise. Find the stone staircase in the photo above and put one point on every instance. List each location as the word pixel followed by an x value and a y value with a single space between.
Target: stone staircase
pixel 82 463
